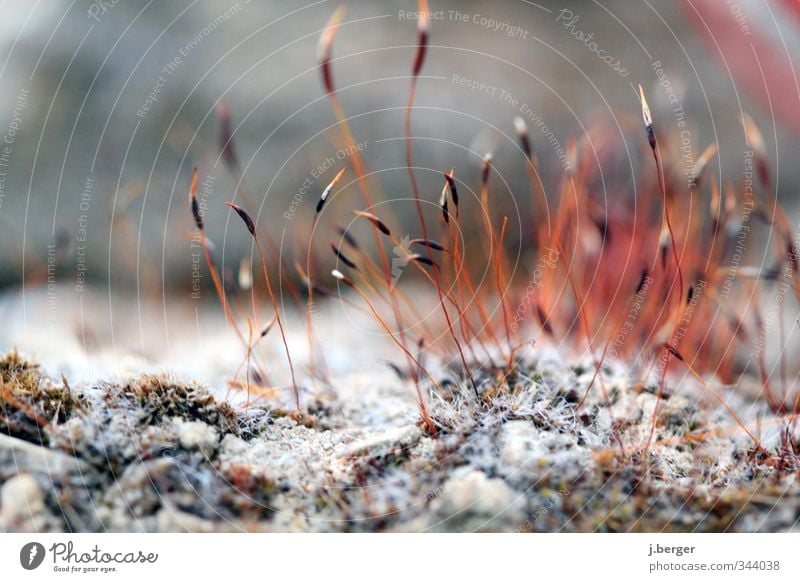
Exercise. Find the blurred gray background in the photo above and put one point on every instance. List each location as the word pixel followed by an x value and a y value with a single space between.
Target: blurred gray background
pixel 108 106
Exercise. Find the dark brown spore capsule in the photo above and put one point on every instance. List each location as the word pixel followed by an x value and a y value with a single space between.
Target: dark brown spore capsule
pixel 486 167
pixel 196 213
pixel 642 281
pixel 427 243
pixel 248 222
pixel 226 135
pixel 451 183
pixel 374 220
pixel 198 216
pixel 791 255
pixel 522 133
pixel 422 259
pixel 321 291
pixel 325 49
pixel 673 351
pixel 343 278
pixel 268 327
pixel 422 38
pixel 342 257
pixel 399 372
pixel 348 238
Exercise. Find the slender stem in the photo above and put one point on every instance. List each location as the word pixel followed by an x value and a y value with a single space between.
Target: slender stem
pixel 418 204
pixel 280 322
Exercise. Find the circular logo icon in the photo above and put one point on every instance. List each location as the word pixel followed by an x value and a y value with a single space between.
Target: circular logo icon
pixel 31 555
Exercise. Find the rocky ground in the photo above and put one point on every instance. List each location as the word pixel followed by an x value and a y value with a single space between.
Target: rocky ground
pixel 155 454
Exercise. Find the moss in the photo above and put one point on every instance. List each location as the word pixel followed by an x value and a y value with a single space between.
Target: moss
pixel 13 364
pixel 154 398
pixel 30 403
pixel 133 421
